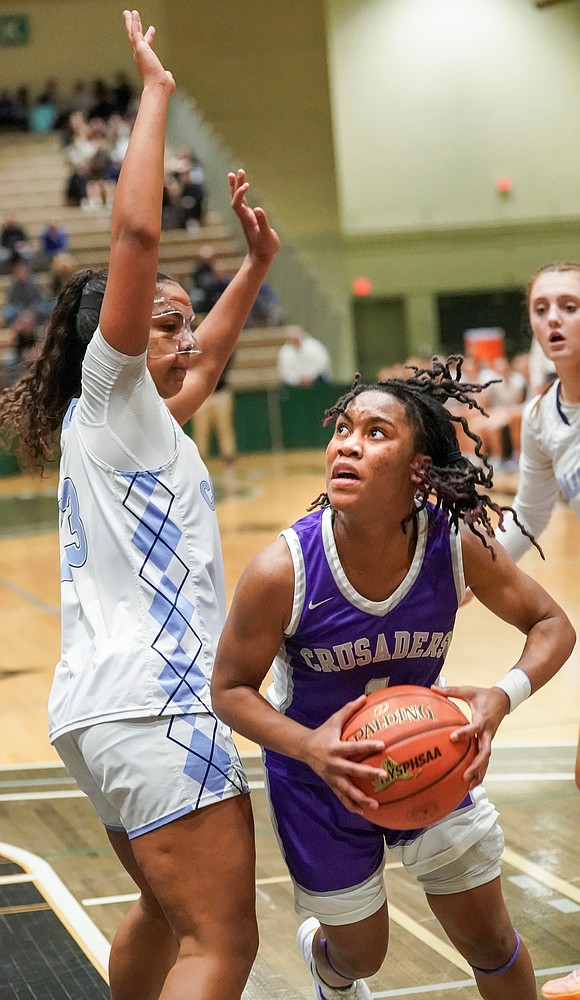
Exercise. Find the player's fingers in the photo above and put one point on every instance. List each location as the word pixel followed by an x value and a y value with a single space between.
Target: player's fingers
pixel 349 709
pixel 360 748
pixel 354 799
pixel 464 734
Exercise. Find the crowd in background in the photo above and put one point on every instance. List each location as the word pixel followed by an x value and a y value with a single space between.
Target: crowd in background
pixel 94 122
pixel 511 383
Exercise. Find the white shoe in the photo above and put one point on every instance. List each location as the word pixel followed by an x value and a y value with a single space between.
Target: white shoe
pixel 320 991
pixel 566 988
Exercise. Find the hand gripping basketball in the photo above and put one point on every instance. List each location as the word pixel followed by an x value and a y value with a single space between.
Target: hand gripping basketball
pixel 423 769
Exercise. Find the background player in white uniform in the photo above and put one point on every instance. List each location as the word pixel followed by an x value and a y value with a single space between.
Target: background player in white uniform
pixel 142 578
pixel 550 455
pixel 373 560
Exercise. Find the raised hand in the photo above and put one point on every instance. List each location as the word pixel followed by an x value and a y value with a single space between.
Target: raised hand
pixel 148 63
pixel 263 241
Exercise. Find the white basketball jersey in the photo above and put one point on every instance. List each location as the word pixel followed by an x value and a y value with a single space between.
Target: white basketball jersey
pixel 143 596
pixel 549 467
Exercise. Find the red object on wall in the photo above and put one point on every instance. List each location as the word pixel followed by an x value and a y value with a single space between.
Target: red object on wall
pixel 361 287
pixel 504 185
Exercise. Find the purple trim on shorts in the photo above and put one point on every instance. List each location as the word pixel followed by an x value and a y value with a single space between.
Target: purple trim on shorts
pixel 162 821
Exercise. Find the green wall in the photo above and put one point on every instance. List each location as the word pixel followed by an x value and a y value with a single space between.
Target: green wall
pixel 73 39
pixel 433 101
pixel 258 71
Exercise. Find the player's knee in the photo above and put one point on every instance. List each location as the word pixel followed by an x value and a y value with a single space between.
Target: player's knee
pixel 497 954
pixel 358 962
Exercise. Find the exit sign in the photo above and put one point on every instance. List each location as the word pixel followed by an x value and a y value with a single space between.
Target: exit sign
pixel 14 30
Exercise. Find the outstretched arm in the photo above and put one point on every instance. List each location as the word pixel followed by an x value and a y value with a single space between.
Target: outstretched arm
pixel 251 638
pixel 219 332
pixel 136 220
pixel 516 598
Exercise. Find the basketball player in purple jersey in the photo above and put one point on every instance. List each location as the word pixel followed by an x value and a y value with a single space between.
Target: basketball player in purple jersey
pixel 355 596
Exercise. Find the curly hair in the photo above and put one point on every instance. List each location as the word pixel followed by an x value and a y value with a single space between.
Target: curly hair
pixel 452 481
pixel 32 411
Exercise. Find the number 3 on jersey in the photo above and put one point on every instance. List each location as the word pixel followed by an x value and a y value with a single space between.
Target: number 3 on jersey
pixel 74 539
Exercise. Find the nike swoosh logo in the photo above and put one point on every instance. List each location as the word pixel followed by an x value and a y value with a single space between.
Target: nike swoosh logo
pixel 312 606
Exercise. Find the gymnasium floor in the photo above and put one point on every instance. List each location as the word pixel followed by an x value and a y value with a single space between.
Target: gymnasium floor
pixel 62 892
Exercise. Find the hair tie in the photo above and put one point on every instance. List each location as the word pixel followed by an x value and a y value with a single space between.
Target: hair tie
pixel 454 456
pixel 91 299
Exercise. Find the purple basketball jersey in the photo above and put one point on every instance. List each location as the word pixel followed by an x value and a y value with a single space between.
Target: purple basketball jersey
pixel 340 645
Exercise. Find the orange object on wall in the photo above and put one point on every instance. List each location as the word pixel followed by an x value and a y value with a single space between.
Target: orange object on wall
pixel 485 343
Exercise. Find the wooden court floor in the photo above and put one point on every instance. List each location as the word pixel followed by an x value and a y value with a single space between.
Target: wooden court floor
pixel 50 837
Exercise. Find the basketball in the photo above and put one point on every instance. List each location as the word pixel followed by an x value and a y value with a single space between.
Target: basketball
pixel 423 770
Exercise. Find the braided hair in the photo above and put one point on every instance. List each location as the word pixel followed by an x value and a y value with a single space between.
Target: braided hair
pixel 32 411
pixel 450 480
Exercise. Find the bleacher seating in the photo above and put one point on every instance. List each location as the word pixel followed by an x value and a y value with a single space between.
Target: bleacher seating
pixel 33 175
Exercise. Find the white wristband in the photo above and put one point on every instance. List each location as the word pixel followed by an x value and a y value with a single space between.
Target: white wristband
pixel 516 685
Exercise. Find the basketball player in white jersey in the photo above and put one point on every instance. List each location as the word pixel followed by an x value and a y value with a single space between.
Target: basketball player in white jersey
pixel 142 578
pixel 550 455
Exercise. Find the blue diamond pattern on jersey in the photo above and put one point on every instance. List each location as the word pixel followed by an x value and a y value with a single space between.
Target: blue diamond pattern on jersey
pixel 157 537
pixel 197 734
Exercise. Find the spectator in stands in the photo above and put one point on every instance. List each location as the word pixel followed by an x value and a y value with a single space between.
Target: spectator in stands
pixel 62 268
pixel 186 185
pixel 15 244
pixel 22 108
pixel 191 200
pixel 43 114
pixel 302 360
pixel 118 132
pixel 24 293
pixel 76 186
pixel 267 309
pixel 80 146
pixel 216 414
pixel 103 103
pixel 53 239
pixel 500 431
pixel 208 280
pixel 123 94
pixel 7 109
pixel 26 335
pixel 80 98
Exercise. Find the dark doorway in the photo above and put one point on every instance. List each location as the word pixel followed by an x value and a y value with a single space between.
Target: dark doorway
pixel 380 333
pixel 505 308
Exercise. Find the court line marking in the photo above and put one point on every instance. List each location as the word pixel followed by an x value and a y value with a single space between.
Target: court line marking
pixel 546 878
pixel 75 793
pixel 269 880
pixel 436 944
pixel 524 778
pixel 39 766
pixel 256 754
pixel 15 879
pixel 411 991
pixel 36 602
pixel 79 925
